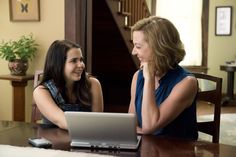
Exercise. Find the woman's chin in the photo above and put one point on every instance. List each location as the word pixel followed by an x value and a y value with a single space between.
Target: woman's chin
pixel 77 78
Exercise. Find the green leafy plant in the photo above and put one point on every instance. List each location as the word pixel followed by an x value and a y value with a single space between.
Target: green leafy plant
pixel 24 49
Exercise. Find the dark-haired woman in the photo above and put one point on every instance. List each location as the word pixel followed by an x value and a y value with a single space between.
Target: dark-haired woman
pixel 65 85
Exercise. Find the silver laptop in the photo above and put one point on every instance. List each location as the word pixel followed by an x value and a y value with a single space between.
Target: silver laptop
pixel 102 130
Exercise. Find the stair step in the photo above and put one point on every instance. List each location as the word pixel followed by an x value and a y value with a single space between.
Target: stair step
pixel 124 13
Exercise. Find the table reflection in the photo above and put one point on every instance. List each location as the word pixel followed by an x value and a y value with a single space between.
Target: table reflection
pixel 17 134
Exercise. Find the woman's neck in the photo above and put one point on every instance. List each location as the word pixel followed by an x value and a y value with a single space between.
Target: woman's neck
pixel 70 93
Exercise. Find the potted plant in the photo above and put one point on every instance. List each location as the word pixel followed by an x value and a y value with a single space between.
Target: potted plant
pixel 18 53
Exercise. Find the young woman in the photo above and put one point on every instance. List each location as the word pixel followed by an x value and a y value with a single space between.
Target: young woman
pixel 65 85
pixel 162 92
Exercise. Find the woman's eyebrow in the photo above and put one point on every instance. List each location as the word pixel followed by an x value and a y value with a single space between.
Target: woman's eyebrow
pixel 137 44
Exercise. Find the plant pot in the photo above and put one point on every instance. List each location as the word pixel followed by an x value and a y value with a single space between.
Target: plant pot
pixel 18 67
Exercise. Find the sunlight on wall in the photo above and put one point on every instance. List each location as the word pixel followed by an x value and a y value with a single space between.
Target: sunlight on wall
pixel 186 16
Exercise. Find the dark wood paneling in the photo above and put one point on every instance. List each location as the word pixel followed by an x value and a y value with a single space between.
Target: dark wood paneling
pixel 111 61
pixel 78 26
pixel 205 24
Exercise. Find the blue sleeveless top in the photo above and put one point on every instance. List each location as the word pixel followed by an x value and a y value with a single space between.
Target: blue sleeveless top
pixel 57 97
pixel 185 125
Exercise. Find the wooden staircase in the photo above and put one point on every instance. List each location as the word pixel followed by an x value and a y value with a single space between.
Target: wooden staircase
pixel 112 61
pixel 125 14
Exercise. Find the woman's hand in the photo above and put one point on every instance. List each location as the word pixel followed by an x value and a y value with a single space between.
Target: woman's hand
pixel 148 69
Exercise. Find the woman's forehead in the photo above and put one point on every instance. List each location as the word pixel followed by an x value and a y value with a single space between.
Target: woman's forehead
pixel 76 52
pixel 138 36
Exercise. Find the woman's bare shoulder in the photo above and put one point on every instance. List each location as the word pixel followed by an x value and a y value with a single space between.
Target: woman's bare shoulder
pixel 94 81
pixel 189 84
pixel 190 80
pixel 39 88
pixel 135 76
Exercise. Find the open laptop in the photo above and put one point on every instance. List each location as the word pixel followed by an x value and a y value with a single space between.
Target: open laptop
pixel 102 130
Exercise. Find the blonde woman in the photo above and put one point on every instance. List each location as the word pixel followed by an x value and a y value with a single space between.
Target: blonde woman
pixel 163 94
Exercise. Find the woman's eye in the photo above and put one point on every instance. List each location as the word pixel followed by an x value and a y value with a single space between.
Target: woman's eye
pixel 74 60
pixel 137 46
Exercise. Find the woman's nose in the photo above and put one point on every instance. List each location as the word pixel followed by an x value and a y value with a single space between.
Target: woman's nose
pixel 134 51
pixel 80 64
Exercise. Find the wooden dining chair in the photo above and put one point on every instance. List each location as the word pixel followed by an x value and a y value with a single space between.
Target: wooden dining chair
pixel 35 114
pixel 212 96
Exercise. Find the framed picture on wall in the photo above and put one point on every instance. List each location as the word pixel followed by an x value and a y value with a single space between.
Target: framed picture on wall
pixel 24 10
pixel 223 21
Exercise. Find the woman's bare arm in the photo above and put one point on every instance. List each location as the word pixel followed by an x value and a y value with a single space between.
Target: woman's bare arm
pixel 97 96
pixel 181 97
pixel 48 107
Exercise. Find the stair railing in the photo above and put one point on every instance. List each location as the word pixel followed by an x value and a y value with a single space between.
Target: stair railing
pixel 134 11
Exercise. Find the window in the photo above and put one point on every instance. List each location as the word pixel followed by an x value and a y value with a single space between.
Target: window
pixel 186 16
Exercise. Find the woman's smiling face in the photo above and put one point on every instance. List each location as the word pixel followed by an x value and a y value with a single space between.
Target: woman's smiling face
pixel 141 48
pixel 74 65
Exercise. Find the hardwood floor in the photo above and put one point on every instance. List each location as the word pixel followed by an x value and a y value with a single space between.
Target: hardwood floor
pixel 205 108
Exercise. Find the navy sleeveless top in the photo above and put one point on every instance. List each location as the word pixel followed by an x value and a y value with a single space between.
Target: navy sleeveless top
pixel 57 97
pixel 185 125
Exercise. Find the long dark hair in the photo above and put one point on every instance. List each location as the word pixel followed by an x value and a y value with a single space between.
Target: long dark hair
pixel 54 70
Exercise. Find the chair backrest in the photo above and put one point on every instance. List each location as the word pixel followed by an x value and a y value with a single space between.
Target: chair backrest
pixel 35 114
pixel 213 96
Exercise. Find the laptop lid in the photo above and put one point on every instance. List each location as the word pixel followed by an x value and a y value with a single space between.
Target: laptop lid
pixel 102 130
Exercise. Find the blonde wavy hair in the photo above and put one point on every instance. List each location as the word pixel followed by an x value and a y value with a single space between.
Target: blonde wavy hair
pixel 164 40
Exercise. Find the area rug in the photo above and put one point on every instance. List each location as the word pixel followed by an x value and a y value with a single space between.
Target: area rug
pixel 11 151
pixel 227 128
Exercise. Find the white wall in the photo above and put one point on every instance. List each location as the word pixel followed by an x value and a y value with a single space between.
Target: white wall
pixel 221 48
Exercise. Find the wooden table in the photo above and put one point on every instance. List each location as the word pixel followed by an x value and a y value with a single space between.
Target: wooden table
pixel 229 99
pixel 18 84
pixel 17 133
